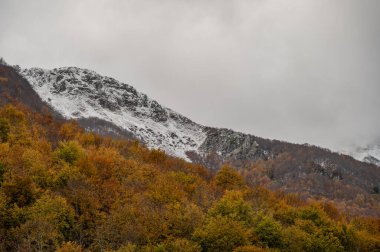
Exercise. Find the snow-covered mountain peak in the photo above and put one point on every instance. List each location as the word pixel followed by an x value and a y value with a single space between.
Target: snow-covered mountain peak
pixel 80 93
pixel 369 154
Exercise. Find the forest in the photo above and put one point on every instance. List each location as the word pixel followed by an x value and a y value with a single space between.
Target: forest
pixel 65 189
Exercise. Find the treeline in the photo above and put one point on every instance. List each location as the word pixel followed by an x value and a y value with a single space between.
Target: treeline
pixel 64 189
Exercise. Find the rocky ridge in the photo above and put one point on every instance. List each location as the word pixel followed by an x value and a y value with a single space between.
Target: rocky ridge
pixel 86 96
pixel 83 94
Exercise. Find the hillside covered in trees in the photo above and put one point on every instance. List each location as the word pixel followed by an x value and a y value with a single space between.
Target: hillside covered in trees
pixel 65 189
pixel 309 171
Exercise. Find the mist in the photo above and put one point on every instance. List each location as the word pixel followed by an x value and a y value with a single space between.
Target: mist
pixel 294 70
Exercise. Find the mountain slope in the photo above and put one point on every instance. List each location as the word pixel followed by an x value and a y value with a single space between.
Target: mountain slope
pixel 107 106
pixel 83 94
pixel 18 90
pixel 91 193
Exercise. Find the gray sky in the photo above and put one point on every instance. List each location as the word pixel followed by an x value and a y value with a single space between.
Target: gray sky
pixel 296 70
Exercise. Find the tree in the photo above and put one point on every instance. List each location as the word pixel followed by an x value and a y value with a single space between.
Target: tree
pixel 21 191
pixel 4 129
pixel 103 194
pixel 70 247
pixel 54 210
pixel 37 235
pixel 268 231
pixel 232 205
pixel 313 213
pixel 228 178
pixel 252 248
pixel 295 239
pixel 2 171
pixel 181 245
pixel 129 247
pixel 69 131
pixel 326 242
pixel 222 234
pixel 69 151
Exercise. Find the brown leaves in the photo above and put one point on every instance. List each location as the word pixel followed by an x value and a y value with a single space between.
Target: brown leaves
pixel 67 189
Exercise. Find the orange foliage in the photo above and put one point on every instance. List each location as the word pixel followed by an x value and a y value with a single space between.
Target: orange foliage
pixel 103 194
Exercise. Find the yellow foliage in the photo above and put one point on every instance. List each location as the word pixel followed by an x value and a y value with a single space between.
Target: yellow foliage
pixel 70 130
pixel 252 249
pixel 70 247
pixel 228 178
pixel 65 189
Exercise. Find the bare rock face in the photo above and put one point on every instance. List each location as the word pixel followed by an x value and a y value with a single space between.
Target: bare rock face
pixel 233 144
pixel 159 114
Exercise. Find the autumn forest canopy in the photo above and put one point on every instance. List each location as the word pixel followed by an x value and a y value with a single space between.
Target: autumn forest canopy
pixel 65 189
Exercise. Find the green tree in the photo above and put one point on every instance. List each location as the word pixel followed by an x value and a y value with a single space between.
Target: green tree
pixel 222 234
pixel 326 242
pixel 315 214
pixel 295 239
pixel 55 210
pixel 268 231
pixel 232 205
pixel 69 151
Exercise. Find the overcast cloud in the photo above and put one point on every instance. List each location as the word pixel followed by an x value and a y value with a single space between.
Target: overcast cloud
pixel 296 70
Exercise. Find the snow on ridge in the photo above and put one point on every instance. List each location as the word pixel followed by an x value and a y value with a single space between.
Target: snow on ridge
pixel 369 154
pixel 80 93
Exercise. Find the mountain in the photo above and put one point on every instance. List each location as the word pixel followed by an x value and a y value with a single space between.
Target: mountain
pixel 369 154
pixel 109 107
pixel 82 94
